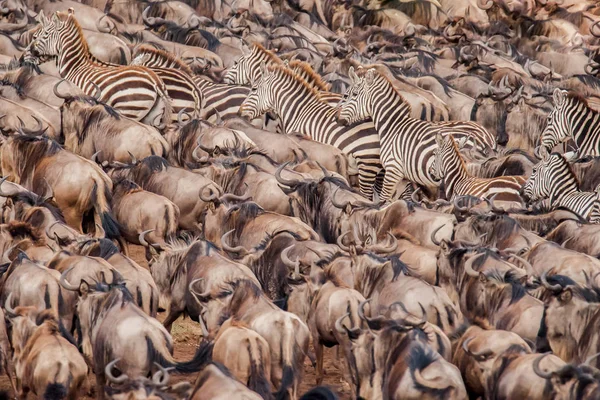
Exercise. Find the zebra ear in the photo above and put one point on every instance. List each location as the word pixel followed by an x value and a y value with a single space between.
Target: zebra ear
pixel 263 69
pixel 559 96
pixel 41 18
pixel 439 139
pixel 246 50
pixel 462 142
pixel 353 77
pixel 55 19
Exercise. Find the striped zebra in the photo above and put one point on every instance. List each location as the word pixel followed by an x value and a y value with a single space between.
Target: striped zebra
pixel 407 144
pixel 136 92
pixel 553 180
pixel 300 109
pixel 181 88
pixel 449 167
pixel 571 118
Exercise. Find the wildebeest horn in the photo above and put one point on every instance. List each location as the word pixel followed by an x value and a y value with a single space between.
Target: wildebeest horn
pixel 413 196
pixel 57 93
pixel 94 157
pixel 469 265
pixel 161 377
pixel 9 28
pixel 372 323
pixel 142 238
pixel 150 21
pixel 98 92
pixel 525 263
pixel 286 182
pixel 227 247
pixel 340 242
pixel 180 115
pixel 386 248
pixel 338 323
pixel 7 307
pixel 590 358
pixel 429 384
pixel 289 263
pixel 198 296
pixel 335 203
pixel 484 353
pixel 323 169
pixel 108 372
pixel 65 284
pixel 433 239
pixel 544 280
pixel 485 4
pixel 593 27
pixel 31 131
pixel 230 197
pixel 4 194
pixel 133 159
pixel 212 197
pixel 495 209
pixel 457 206
pixel 538 371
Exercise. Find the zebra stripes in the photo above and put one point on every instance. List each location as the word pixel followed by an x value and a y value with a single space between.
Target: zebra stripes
pixel 181 88
pixel 407 144
pixel 300 110
pixel 553 179
pixel 449 167
pixel 136 92
pixel 571 117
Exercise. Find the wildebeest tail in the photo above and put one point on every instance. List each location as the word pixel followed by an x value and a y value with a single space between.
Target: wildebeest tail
pixel 4 395
pixel 258 381
pixel 287 380
pixel 288 358
pixel 55 391
pixel 202 357
pixel 102 209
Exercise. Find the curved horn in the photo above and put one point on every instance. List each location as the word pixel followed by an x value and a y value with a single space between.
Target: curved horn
pixel 289 263
pixel 590 358
pixel 538 371
pixel 7 307
pixel 9 28
pixel 433 239
pixel 335 203
pixel 469 265
pixel 593 28
pixel 150 21
pixel 180 115
pixel 340 242
pixel 372 323
pixel 94 157
pixel 484 353
pixel 525 263
pixel 142 238
pixel 108 372
pixel 485 4
pixel 338 323
pixel 65 284
pixel 197 296
pixel 386 249
pixel 413 196
pixel 212 197
pixel 133 159
pixel 26 131
pixel 227 247
pixel 57 93
pixel 430 384
pixel 286 182
pixel 457 206
pixel 161 377
pixel 4 194
pixel 544 280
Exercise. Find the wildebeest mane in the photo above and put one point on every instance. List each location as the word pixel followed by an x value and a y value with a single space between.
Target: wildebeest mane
pixel 509 355
pixel 123 186
pixel 243 290
pixel 34 200
pixel 20 78
pixel 103 248
pixel 143 171
pixel 398 266
pixel 239 215
pixel 588 294
pixel 23 230
pixel 29 150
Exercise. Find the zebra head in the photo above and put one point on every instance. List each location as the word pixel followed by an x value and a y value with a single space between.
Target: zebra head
pixel 352 108
pixel 538 185
pixel 558 128
pixel 46 41
pixel 260 98
pixel 246 70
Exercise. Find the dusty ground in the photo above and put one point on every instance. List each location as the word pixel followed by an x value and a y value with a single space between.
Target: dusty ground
pixel 185 336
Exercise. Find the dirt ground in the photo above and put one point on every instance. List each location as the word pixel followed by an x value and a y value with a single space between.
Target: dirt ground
pixel 185 334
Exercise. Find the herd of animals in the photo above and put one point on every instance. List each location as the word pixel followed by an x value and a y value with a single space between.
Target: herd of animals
pixel 415 182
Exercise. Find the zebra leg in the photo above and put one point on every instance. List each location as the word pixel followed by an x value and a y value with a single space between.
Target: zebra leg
pixel 392 177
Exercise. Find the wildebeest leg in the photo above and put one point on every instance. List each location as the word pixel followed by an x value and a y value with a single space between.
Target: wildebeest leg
pixel 123 245
pixel 319 351
pixel 9 373
pixel 100 382
pixel 73 218
pixel 174 313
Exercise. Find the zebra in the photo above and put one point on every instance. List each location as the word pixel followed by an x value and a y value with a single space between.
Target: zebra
pixel 553 180
pixel 407 144
pixel 571 118
pixel 181 88
pixel 449 167
pixel 136 92
pixel 300 110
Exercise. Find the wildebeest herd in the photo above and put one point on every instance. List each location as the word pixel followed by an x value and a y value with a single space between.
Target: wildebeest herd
pixel 416 182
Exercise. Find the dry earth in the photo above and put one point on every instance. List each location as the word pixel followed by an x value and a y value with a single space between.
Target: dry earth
pixel 185 335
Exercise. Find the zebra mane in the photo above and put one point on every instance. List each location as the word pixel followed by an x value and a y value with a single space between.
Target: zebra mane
pixel 577 98
pixel 313 78
pixel 70 18
pixel 455 148
pixel 169 60
pixel 297 79
pixel 273 58
pixel 384 73
pixel 569 168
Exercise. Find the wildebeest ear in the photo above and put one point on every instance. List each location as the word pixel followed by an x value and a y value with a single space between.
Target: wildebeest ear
pixel 482 278
pixel 559 96
pixel 84 287
pixel 566 295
